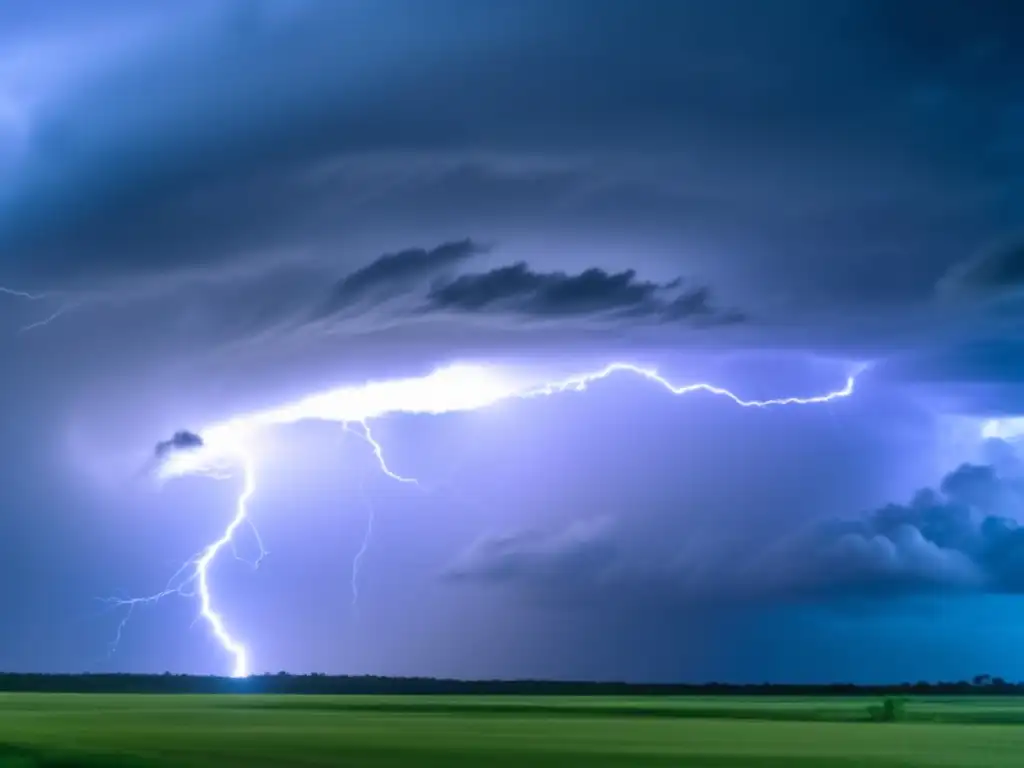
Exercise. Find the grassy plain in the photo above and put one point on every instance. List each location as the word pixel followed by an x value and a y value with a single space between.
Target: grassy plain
pixel 136 731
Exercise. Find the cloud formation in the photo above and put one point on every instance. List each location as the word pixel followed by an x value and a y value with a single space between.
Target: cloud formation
pixel 994 273
pixel 241 159
pixel 960 537
pixel 239 149
pixel 578 551
pixel 183 440
pixel 519 290
pixel 394 273
pixel 203 188
pixel 416 283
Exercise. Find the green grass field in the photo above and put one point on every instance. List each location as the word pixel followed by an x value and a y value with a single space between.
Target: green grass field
pixel 254 731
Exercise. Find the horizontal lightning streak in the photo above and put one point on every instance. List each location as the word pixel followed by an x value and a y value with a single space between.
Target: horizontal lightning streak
pixel 445 391
pixel 580 382
pixel 22 294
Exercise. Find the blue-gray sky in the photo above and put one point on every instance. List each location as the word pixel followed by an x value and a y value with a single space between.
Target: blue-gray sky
pixel 225 205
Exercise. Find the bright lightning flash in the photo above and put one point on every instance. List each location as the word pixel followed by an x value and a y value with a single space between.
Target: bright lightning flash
pixel 228 444
pixel 202 567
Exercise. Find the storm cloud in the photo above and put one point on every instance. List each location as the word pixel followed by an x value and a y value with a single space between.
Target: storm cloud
pixel 961 537
pixel 210 209
pixel 182 440
pixel 581 550
pixel 519 290
pixel 224 160
pixel 996 272
pixel 419 283
pixel 394 273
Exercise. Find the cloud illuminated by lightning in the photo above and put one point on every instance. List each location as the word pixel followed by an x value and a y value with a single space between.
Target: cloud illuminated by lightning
pixel 230 444
pixel 1010 428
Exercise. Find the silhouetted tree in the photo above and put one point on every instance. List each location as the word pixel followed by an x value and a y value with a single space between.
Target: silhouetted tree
pixel 319 683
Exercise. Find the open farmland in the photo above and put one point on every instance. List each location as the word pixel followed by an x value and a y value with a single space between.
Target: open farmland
pixel 226 730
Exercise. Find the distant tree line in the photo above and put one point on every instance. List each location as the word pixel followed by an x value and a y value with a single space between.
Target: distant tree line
pixel 284 683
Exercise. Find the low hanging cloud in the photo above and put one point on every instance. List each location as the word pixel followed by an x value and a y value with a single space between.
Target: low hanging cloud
pixel 580 550
pixel 182 440
pixel 962 534
pixel 395 273
pixel 994 273
pixel 959 537
pixel 416 283
pixel 519 291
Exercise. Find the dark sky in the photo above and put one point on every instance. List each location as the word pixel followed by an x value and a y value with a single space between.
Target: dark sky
pixel 225 206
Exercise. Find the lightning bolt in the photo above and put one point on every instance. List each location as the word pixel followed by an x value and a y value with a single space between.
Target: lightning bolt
pixel 43 322
pixel 371 512
pixel 378 453
pixel 371 515
pixel 580 382
pixel 196 571
pixel 446 390
pixel 29 296
pixel 21 294
pixel 202 567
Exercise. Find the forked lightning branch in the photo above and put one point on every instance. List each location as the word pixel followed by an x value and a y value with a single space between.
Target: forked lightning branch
pixel 223 449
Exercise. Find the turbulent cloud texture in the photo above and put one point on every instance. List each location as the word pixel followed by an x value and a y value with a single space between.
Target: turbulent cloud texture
pixel 182 440
pixel 560 556
pixel 518 290
pixel 994 273
pixel 417 283
pixel 213 208
pixel 394 271
pixel 962 536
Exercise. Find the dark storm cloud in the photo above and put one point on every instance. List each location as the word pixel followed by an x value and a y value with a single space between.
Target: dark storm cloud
pixel 414 284
pixel 993 273
pixel 959 537
pixel 776 158
pixel 518 289
pixel 770 151
pixel 395 272
pixel 820 165
pixel 582 550
pixel 241 114
pixel 183 440
pixel 250 134
pixel 966 369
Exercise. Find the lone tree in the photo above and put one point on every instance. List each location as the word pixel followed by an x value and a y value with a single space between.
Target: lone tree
pixel 892 711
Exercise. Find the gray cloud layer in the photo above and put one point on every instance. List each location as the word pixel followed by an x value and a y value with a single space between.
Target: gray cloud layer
pixel 223 154
pixel 395 273
pixel 769 160
pixel 993 273
pixel 519 290
pixel 253 144
pixel 959 537
pixel 205 190
pixel 417 283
